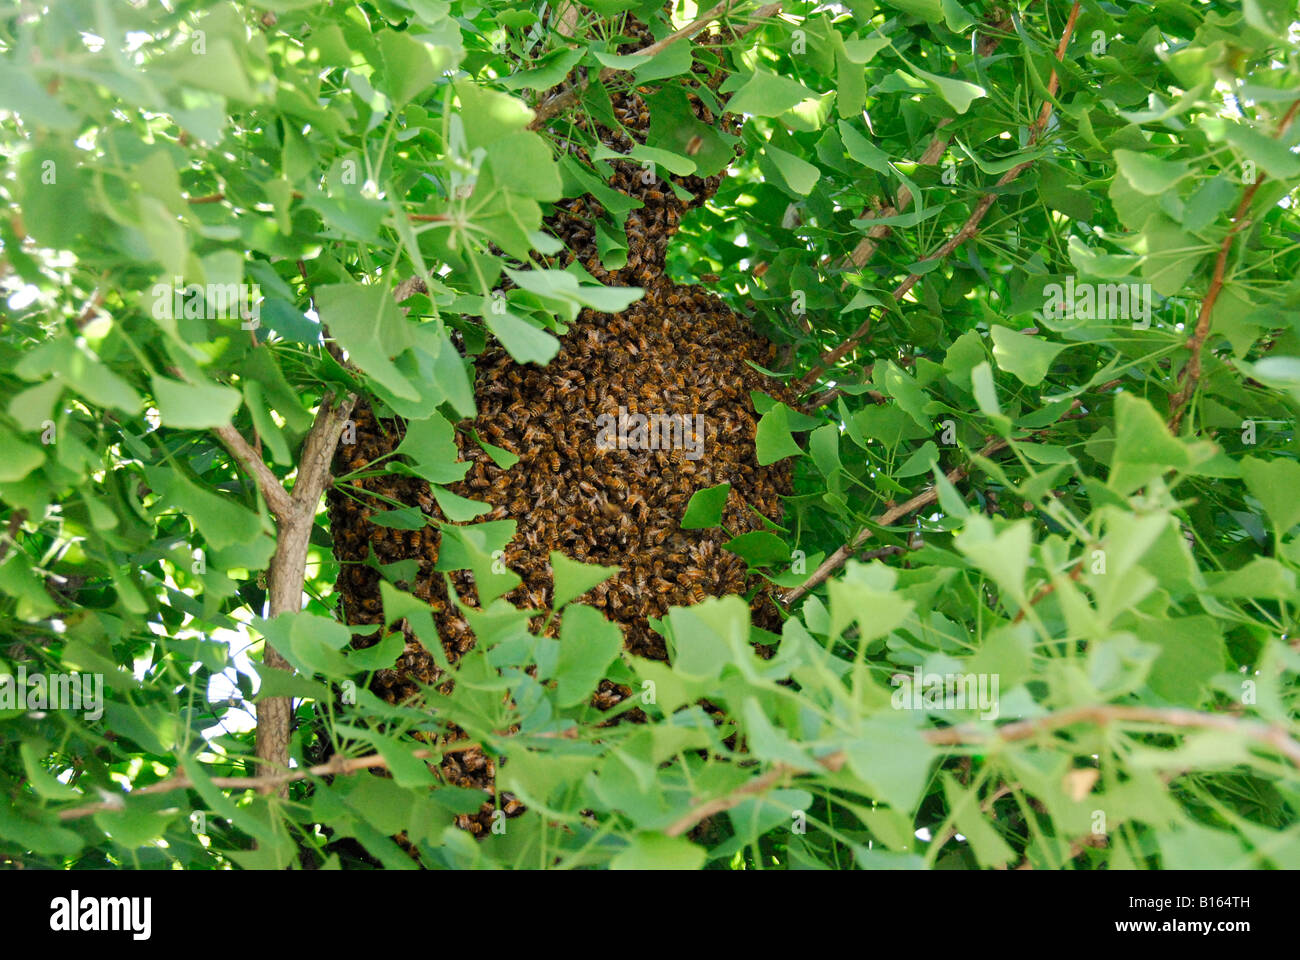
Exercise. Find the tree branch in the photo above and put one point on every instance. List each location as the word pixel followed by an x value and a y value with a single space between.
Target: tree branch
pixel 868 245
pixel 889 517
pixel 338 766
pixel 840 556
pixel 1190 375
pixel 288 569
pixel 1270 735
pixel 968 229
pixel 267 482
pixel 16 520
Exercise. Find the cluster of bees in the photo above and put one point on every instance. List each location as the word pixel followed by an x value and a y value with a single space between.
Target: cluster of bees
pixel 679 351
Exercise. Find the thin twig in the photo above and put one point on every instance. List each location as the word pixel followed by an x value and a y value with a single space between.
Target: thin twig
pixel 889 517
pixel 339 766
pixel 968 229
pixel 840 556
pixel 1270 735
pixel 868 245
pixel 16 520
pixel 1190 375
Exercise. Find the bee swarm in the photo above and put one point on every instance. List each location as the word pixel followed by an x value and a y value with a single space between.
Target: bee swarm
pixel 680 350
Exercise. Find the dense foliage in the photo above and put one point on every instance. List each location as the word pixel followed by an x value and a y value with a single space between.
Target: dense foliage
pixel 1042 312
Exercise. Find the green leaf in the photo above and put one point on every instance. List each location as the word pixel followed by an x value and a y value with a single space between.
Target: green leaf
pixel 863 150
pixel 892 758
pixel 929 11
pixel 1275 483
pixel 194 406
pixel 759 548
pixel 523 341
pixel 773 440
pixel 562 285
pixel 458 509
pixel 705 507
pixel 588 645
pixel 1149 174
pixel 1003 556
pixel 764 94
pixel 1144 448
pixel 1273 156
pixel 550 71
pixel 799 175
pixel 572 579
pixel 986 394
pixel 959 94
pixel 1171 255
pixel 523 164
pixel 654 851
pixel 990 849
pixel 408 67
pixel 367 324
pixel 672 60
pixel 1192 653
pixel 406 518
pixel 502 457
pixel 865 595
pixel 134 828
pixel 20 458
pixel 41 780
pixel 222 522
pixel 956 16
pixel 81 371
pixel 708 636
pixel 1027 357
pixel 430 445
pixel 472 548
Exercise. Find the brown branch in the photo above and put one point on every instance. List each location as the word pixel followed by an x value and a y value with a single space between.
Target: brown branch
pixel 1190 375
pixel 757 20
pixel 828 396
pixel 889 517
pixel 288 568
pixel 318 452
pixel 338 766
pixel 1271 735
pixel 840 556
pixel 267 482
pixel 93 305
pixel 760 784
pixel 16 520
pixel 968 229
pixel 567 98
pixel 1046 590
pixel 892 550
pixel 868 245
